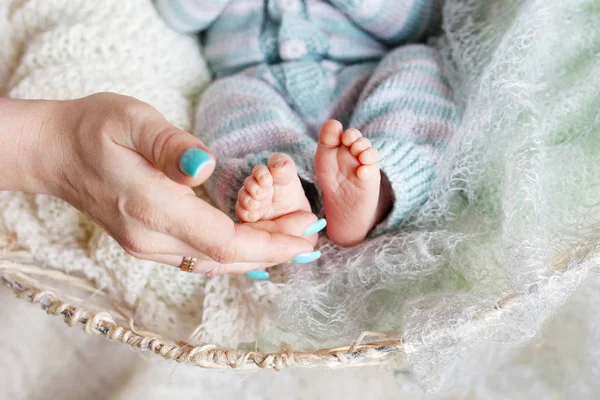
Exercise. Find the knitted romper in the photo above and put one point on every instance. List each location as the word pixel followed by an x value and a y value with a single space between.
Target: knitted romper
pixel 283 67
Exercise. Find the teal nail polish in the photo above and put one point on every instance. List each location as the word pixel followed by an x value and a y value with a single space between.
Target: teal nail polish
pixel 192 161
pixel 305 258
pixel 259 275
pixel 316 227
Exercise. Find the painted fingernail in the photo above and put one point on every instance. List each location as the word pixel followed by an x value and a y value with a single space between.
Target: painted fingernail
pixel 305 258
pixel 258 275
pixel 316 227
pixel 192 161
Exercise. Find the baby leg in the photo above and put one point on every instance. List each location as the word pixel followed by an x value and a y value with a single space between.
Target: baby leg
pixel 248 126
pixel 403 117
pixel 408 113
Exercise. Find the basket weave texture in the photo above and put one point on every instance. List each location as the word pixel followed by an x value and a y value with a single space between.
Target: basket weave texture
pixel 19 272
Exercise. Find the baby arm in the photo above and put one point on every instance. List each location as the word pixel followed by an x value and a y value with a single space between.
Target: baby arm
pixel 393 21
pixel 188 16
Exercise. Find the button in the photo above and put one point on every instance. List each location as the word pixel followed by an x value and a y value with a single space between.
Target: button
pixel 290 6
pixel 293 49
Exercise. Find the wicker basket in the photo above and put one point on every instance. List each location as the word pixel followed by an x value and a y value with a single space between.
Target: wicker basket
pixel 38 285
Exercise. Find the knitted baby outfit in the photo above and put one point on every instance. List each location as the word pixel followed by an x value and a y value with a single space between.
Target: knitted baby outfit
pixel 286 66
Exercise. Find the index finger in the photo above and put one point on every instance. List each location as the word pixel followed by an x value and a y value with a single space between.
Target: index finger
pixel 214 233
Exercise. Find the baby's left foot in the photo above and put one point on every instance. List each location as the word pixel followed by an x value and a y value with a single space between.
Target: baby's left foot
pixel 272 191
pixel 347 171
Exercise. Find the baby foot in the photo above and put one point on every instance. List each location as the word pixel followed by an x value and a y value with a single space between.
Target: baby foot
pixel 347 171
pixel 272 191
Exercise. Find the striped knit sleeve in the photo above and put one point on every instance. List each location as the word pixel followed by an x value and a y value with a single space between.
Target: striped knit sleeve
pixel 394 21
pixel 189 16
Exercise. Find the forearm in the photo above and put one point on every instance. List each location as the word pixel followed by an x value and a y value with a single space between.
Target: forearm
pixel 22 125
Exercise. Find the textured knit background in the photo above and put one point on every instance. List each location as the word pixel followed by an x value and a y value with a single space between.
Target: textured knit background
pixel 519 188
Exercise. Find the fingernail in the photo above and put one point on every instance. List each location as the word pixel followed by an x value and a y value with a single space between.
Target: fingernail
pixel 192 161
pixel 305 258
pixel 259 275
pixel 316 227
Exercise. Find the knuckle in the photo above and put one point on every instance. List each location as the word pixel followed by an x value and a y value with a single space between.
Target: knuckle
pixel 138 110
pixel 225 252
pixel 222 254
pixel 161 144
pixel 116 108
pixel 141 211
pixel 116 113
pixel 134 208
pixel 267 244
pixel 134 246
pixel 217 270
pixel 124 112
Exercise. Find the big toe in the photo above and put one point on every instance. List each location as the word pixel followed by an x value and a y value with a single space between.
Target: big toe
pixel 282 168
pixel 331 133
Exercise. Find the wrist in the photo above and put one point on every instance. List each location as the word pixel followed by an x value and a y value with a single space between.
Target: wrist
pixel 26 127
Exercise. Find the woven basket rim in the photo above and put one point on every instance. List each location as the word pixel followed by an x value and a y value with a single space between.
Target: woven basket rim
pixel 20 277
pixel 18 271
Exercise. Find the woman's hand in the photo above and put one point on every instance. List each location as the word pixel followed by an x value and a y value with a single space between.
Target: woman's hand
pixel 117 160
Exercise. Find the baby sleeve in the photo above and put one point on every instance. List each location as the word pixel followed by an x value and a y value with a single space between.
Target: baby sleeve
pixel 394 22
pixel 189 16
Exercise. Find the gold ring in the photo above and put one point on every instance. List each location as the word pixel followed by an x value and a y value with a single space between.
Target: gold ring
pixel 188 263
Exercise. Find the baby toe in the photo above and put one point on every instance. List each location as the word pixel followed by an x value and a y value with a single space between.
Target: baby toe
pixel 369 156
pixel 241 212
pixel 253 188
pixel 246 201
pixel 367 172
pixel 245 215
pixel 360 145
pixel 262 176
pixel 350 136
pixel 331 133
pixel 282 168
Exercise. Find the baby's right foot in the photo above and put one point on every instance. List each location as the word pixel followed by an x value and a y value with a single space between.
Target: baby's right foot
pixel 272 191
pixel 347 170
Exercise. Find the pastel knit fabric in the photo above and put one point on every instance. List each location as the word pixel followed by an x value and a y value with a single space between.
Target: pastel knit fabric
pixel 286 66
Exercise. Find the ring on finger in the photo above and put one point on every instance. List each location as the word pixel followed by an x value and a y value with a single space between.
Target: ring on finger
pixel 188 263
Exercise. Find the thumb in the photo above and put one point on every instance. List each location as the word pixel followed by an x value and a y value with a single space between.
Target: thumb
pixel 179 155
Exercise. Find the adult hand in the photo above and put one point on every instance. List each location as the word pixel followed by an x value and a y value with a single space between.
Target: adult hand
pixel 117 160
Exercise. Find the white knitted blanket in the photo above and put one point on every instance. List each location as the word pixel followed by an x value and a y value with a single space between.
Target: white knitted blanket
pixel 514 214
